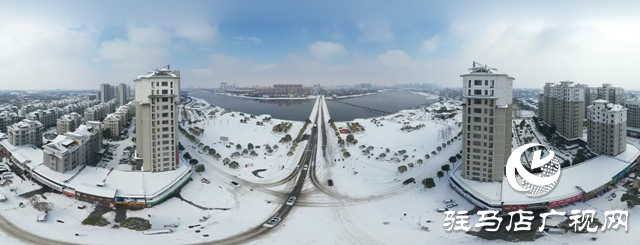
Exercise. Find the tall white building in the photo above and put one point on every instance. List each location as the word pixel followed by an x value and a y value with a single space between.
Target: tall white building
pixel 486 120
pixel 157 99
pixel 607 127
pixel 123 94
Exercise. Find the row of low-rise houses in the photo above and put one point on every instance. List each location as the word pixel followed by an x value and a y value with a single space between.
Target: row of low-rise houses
pixel 46 113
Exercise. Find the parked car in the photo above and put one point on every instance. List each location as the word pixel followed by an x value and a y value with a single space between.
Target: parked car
pixel 236 184
pixel 452 205
pixel 448 201
pixel 272 222
pixel 409 181
pixel 330 182
pixel 291 201
pixel 442 210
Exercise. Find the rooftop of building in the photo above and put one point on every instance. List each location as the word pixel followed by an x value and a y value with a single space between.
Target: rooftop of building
pixel 25 123
pixel 61 144
pixel 28 154
pixel 162 72
pixel 112 117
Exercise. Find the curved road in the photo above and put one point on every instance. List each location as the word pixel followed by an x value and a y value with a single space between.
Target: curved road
pixel 308 158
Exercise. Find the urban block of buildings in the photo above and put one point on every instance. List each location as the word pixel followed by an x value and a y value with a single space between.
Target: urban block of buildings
pixel 67 164
pixel 485 132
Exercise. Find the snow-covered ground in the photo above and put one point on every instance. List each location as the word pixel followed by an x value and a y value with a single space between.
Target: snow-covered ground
pixel 369 207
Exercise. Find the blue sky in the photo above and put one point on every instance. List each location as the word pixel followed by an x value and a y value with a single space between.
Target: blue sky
pixel 80 44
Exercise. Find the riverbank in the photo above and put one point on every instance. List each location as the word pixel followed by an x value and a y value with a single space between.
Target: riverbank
pixel 311 97
pixel 350 96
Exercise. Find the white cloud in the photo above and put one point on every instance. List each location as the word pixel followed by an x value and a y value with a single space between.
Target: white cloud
pixel 395 58
pixel 247 40
pixel 264 67
pixel 198 32
pixel 430 44
pixel 142 50
pixel 307 69
pixel 535 53
pixel 40 55
pixel 322 49
pixel 375 32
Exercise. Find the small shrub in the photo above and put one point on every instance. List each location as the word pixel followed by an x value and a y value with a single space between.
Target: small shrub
pixel 95 221
pixel 136 224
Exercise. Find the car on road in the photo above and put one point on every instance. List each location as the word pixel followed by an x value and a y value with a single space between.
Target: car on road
pixel 442 210
pixel 409 181
pixel 306 166
pixel 291 201
pixel 330 182
pixel 448 201
pixel 236 184
pixel 272 222
pixel 452 205
pixel 314 125
pixel 82 207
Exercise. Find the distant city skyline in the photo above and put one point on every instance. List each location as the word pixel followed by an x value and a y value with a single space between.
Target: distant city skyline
pixel 80 45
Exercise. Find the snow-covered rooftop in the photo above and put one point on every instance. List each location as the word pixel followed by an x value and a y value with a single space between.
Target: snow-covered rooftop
pixel 89 176
pixel 140 184
pixel 574 181
pixel 95 190
pixel 24 152
pixel 163 72
pixel 490 192
pixel 630 154
pixel 56 176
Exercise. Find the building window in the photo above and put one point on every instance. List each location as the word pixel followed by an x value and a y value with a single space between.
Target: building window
pixel 477 82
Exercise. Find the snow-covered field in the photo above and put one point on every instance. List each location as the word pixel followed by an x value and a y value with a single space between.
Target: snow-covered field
pixel 368 204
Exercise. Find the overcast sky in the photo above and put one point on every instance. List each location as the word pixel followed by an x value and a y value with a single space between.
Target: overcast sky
pixel 80 44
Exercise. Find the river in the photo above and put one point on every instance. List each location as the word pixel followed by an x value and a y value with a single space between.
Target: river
pixel 299 110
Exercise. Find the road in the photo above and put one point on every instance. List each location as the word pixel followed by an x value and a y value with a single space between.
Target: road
pixel 308 158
